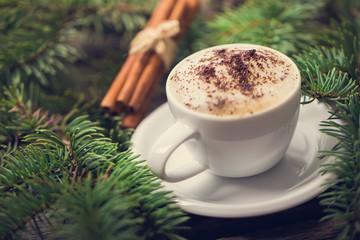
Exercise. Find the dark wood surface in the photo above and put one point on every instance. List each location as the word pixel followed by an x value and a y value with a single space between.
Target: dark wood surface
pixel 301 222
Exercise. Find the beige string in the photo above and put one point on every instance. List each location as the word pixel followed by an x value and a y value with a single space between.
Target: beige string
pixel 158 39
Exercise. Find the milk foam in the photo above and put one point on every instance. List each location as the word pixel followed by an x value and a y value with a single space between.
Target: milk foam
pixel 233 80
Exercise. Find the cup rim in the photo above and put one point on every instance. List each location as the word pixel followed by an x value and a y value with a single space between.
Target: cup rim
pixel 206 116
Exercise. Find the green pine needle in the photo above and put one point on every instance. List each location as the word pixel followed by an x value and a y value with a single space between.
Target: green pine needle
pixel 332 86
pixel 343 197
pixel 100 192
pixel 283 25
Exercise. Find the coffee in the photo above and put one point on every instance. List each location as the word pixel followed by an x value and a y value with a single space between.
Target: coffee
pixel 233 80
pixel 235 108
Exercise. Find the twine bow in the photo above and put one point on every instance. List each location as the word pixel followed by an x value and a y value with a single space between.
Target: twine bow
pixel 158 39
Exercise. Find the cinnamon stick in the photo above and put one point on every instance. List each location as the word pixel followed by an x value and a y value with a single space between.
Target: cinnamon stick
pixel 132 120
pixel 151 75
pixel 141 60
pixel 185 11
pixel 137 81
pixel 192 9
pixel 161 13
pixel 178 11
pixel 155 65
pixel 108 104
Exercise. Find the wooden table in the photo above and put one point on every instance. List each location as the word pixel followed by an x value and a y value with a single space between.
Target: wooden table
pixel 302 222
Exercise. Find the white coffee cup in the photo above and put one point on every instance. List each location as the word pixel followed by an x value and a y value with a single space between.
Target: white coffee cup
pixel 235 145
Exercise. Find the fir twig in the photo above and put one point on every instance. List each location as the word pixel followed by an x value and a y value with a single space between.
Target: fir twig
pixel 343 196
pixel 101 192
pixel 283 25
pixel 333 86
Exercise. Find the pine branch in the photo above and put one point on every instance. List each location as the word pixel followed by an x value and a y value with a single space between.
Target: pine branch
pixel 100 191
pixel 283 25
pixel 68 169
pixel 343 197
pixel 324 59
pixel 25 190
pixel 123 206
pixel 329 74
pixel 40 42
pixel 18 118
pixel 333 86
pixel 343 34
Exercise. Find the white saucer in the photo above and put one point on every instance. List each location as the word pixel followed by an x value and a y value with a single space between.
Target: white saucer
pixel 293 181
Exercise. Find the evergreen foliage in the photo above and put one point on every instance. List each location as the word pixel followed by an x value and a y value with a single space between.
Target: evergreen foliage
pixel 83 178
pixel 331 74
pixel 36 42
pixel 343 197
pixel 66 169
pixel 285 25
pixel 70 175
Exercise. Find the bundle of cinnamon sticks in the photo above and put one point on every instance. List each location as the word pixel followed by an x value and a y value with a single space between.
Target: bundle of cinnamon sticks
pixel 136 83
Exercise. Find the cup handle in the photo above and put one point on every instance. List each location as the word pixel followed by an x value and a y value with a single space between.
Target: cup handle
pixel 163 148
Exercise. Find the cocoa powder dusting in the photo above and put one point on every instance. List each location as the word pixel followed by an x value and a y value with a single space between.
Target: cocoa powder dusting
pixel 230 71
pixel 207 72
pixel 239 67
